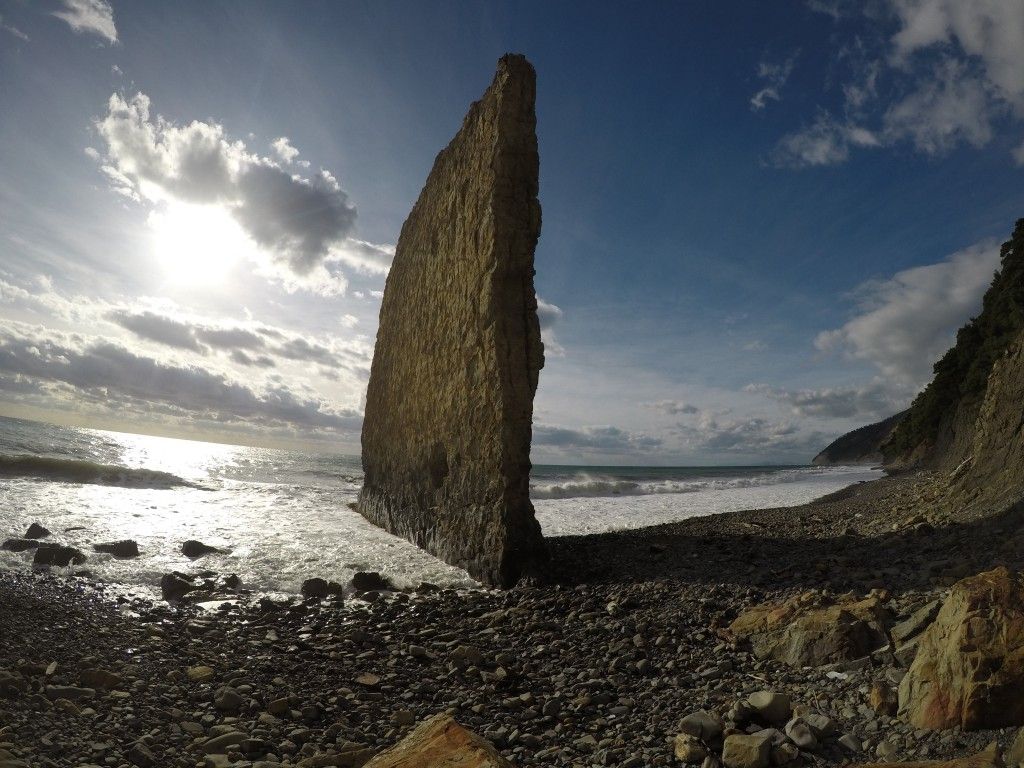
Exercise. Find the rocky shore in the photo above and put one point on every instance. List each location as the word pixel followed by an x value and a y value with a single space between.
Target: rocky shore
pixel 642 652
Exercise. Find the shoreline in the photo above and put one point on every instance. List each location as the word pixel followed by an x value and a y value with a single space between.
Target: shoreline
pixel 596 668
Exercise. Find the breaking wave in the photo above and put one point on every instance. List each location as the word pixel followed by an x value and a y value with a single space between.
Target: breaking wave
pixel 88 472
pixel 583 486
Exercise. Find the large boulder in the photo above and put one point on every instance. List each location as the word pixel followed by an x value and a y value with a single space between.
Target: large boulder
pixel 989 758
pixel 57 554
pixel 969 667
pixel 809 631
pixel 449 405
pixel 194 549
pixel 440 741
pixel 125 548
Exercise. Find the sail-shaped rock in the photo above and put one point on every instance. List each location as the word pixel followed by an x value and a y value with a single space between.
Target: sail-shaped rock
pixel 449 407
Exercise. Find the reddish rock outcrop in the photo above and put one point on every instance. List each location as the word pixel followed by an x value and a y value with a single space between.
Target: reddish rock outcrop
pixel 449 406
pixel 969 667
pixel 807 631
pixel 440 741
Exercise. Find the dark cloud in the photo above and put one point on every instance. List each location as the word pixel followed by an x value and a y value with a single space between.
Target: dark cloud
pixel 871 401
pixel 105 372
pixel 598 439
pixel 158 328
pixel 259 361
pixel 230 338
pixel 714 434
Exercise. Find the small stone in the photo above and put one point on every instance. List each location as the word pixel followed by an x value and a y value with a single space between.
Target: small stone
pixel 220 744
pixel 371 581
pixel 125 548
pixel 140 755
pixel 193 549
pixel 772 706
pixel 689 748
pixel 882 698
pixel 368 679
pixel 701 724
pixel 174 586
pixel 320 588
pixel 200 673
pixel 36 531
pixel 746 751
pixel 228 700
pixel 801 734
pixel 404 717
pixel 850 743
pixel 785 753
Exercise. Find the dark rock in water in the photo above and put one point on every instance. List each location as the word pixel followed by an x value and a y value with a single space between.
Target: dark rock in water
pixel 317 587
pixel 371 581
pixel 174 586
pixel 19 545
pixel 57 554
pixel 449 405
pixel 861 446
pixel 193 548
pixel 36 531
pixel 124 549
pixel 232 581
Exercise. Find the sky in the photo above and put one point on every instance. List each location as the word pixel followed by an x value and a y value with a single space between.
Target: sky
pixel 762 222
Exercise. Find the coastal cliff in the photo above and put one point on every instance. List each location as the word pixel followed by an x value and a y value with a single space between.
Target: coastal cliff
pixel 941 424
pixel 862 445
pixel 449 406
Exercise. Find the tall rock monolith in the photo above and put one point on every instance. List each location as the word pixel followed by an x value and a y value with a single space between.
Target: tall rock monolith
pixel 449 406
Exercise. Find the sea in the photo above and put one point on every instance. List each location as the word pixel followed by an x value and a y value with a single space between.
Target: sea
pixel 282 516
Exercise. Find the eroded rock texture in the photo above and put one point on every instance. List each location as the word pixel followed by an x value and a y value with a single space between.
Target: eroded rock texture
pixel 969 667
pixel 449 407
pixel 805 632
pixel 440 742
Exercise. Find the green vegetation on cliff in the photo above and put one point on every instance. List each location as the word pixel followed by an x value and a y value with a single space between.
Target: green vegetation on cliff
pixel 962 373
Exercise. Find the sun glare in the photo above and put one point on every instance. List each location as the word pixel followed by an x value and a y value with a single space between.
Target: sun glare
pixel 196 243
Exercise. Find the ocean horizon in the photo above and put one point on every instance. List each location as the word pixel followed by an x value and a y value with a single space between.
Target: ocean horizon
pixel 282 516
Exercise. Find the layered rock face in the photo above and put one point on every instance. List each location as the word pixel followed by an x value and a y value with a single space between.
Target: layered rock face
pixel 449 407
pixel 969 667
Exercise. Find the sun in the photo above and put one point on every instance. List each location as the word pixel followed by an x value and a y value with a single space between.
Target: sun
pixel 197 244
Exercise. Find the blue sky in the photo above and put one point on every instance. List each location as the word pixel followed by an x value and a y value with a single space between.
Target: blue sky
pixel 762 221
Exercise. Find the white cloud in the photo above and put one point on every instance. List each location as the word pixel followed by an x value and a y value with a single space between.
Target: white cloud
pixel 13 30
pixel 950 68
pixel 991 30
pixel 950 108
pixel 549 316
pixel 282 146
pixel 774 76
pixel 905 323
pixel 824 142
pixel 93 16
pixel 303 224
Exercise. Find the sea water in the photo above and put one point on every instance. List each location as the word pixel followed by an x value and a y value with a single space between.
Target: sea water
pixel 284 516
